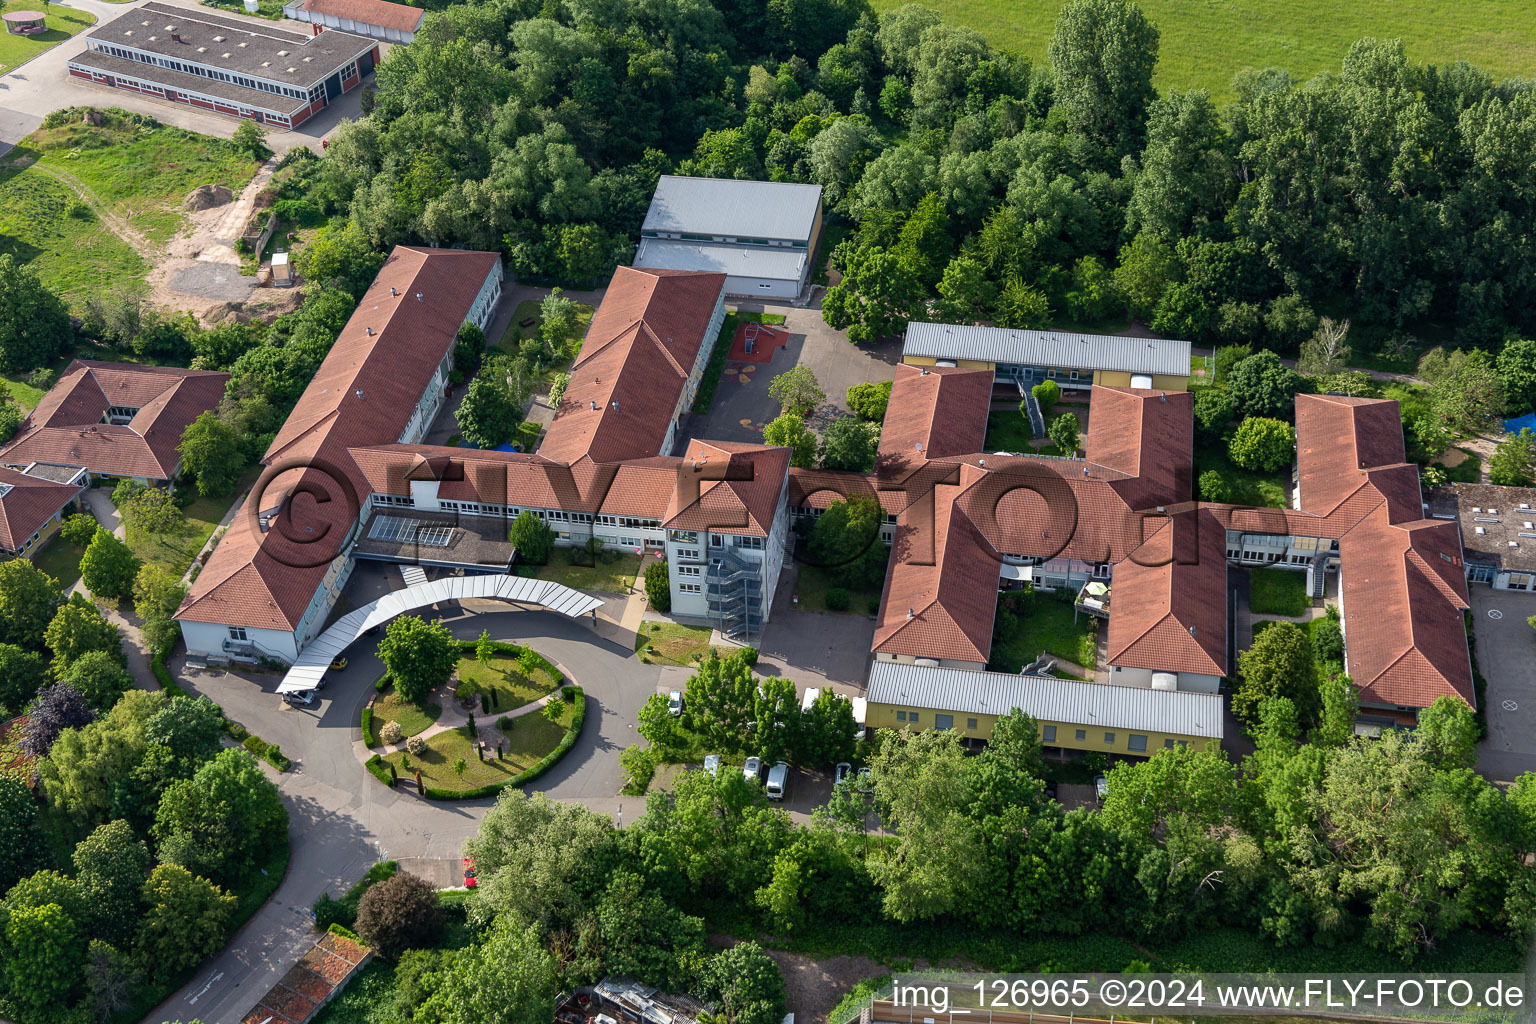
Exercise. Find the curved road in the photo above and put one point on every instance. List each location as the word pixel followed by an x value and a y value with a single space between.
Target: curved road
pixel 342 819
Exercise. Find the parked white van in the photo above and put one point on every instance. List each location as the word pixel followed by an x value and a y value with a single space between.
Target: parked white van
pixel 778 780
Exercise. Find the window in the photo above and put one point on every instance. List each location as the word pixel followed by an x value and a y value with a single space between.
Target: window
pixel 237 633
pixel 901 716
pixel 751 543
pixel 690 588
pixel 943 721
pixel 1137 743
pixel 1073 375
pixel 689 570
pixel 912 717
pixel 765 287
pixel 716 540
pixel 1082 734
pixel 1519 581
pixel 1047 733
pixel 1109 739
pixel 1167 744
pixel 970 723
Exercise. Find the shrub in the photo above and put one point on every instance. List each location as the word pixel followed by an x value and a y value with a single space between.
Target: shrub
pixel 1047 393
pixel 868 401
pixel 467 689
pixel 1214 486
pixel 658 587
pixel 416 745
pixel 397 914
pixel 874 606
pixel 639 764
pixel 837 599
pixel 391 732
pixel 1328 641
pixel 368 737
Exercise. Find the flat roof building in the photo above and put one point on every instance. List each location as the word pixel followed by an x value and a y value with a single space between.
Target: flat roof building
pixel 1498 534
pixel 761 234
pixel 266 71
pixel 1071 360
pixel 375 19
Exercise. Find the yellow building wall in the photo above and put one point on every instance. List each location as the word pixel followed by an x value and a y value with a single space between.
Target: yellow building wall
pixel 1122 379
pixel 883 716
pixel 964 364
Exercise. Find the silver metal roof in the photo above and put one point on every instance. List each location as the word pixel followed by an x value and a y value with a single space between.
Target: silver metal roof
pixel 316 658
pixel 1048 348
pixel 1101 705
pixel 773 264
pixel 734 208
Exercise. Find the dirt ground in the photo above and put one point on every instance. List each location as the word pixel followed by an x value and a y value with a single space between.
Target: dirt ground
pixel 813 987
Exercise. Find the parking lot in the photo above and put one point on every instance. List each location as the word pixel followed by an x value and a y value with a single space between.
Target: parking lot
pixel 1506 656
pixel 742 406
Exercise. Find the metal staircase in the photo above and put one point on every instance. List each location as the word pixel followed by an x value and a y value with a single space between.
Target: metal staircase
pixel 1032 410
pixel 1317 574
pixel 733 588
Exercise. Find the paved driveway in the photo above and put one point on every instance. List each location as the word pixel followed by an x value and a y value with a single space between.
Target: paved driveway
pixel 742 406
pixel 1506 656
pixel 43 85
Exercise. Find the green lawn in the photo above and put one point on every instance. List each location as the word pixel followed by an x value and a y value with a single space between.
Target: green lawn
pixel 1265 490
pixel 1278 592
pixel 1204 44
pixel 612 572
pixel 570 346
pixel 72 251
pixel 675 644
pixel 1009 432
pixel 390 707
pixel 813 583
pixel 531 736
pixel 25 395
pixel 59 559
pixel 175 551
pixel 62 22
pixel 505 685
pixel 528 738
pixel 1028 623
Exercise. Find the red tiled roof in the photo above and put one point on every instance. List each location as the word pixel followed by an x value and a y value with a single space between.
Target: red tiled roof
pixel 643 343
pixel 364 393
pixel 370 12
pixel 935 412
pixel 1339 441
pixel 66 428
pixel 1168 609
pixel 739 486
pixel 27 505
pixel 1147 435
pixel 819 488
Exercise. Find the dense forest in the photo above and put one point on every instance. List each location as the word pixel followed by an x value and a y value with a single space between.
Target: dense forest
pixel 970 179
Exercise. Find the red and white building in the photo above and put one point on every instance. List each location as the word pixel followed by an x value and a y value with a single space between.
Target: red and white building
pixel 245 67
pixel 376 19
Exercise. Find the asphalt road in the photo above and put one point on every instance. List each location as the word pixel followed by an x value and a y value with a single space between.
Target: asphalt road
pixel 1506 656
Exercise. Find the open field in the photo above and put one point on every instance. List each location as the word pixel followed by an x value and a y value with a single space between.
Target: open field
pixel 61 21
pixel 71 249
pixel 1204 44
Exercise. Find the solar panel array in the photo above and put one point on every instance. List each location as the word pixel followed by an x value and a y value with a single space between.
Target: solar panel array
pixel 406 531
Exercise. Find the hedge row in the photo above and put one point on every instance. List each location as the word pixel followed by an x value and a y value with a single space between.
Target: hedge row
pixel 578 715
pixel 379 770
pixel 368 737
pixel 237 732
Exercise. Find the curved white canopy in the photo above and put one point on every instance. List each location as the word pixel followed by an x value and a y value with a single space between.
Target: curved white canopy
pixel 316 658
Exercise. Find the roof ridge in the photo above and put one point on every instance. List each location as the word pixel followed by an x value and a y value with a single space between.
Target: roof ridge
pixel 276 452
pixel 665 351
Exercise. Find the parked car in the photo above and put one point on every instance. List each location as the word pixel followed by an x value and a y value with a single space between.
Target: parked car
pixel 712 764
pixel 752 768
pixel 866 781
pixel 469 873
pixel 337 664
pixel 841 773
pixel 300 698
pixel 1100 787
pixel 778 780
pixel 675 703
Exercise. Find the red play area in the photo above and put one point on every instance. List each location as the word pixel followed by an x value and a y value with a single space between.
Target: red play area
pixel 756 343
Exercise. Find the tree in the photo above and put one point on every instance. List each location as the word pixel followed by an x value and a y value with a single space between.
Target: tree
pixel 1448 730
pixel 108 566
pixel 1103 53
pixel 788 430
pixel 99 676
pixel 658 586
pixel 1047 393
pixel 190 728
pixel 1022 306
pixel 250 139
pixel 1213 411
pixel 1261 386
pixel 211 453
pixel 419 655
pixel 1468 395
pixel 21 673
pixel 846 541
pixel 1016 741
pixel 340 257
pixel 1513 463
pixel 79 628
pixel 1185 176
pixel 29 598
pixel 532 539
pixel 721 693
pixel 1279 664
pixel 745 982
pixel 110 865
pixel 827 730
pixel 797 390
pixel 1064 431
pixel 156 596
pixel 1263 444
pixel 879 292
pixel 1225 360
pixel 46 949
pixel 56 708
pixel 152 511
pixel 489 414
pixel 1327 351
pixel 397 914
pixel 850 444
pixel 1341 704
pixel 1516 363
pixel 89 765
pixel 188 917
pixel 22 848
pixel 966 291
pixel 224 821
pixel 868 401
pixel 1146 266
pixel 1214 487
pixel 507 979
pixel 34 324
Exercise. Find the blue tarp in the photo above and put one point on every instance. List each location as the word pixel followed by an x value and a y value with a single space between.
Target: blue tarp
pixel 1514 426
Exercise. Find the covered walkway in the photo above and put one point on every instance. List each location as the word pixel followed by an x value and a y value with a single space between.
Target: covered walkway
pixel 316 658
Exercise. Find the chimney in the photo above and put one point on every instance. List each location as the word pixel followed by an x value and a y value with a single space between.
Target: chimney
pixel 911 614
pixel 615 406
pixel 594 406
pixel 982 463
pixel 175 37
pixel 359 393
pixel 418 296
pixel 368 331
pixel 392 290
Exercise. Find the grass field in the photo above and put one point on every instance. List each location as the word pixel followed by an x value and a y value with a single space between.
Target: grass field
pixel 59 559
pixel 175 551
pixel 504 683
pixel 72 251
pixel 1030 623
pixel 613 572
pixel 811 587
pixel 527 739
pixel 1203 44
pixel 391 707
pixel 61 21
pixel 1278 592
pixel 675 644
pixel 1008 432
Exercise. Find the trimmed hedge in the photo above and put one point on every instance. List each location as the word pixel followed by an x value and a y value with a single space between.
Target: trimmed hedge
pixel 268 752
pixel 578 715
pixel 163 677
pixel 379 770
pixel 337 928
pixel 368 737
